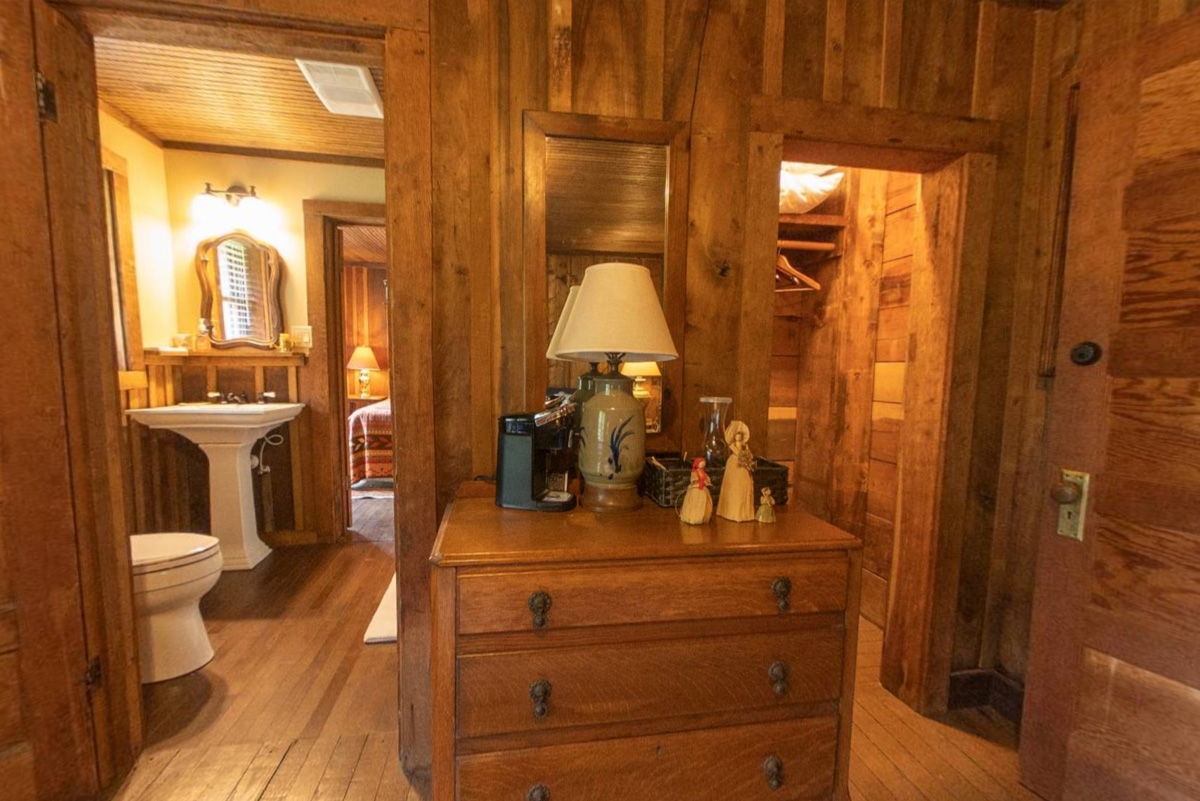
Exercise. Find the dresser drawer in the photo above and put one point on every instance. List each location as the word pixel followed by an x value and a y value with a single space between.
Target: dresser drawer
pixel 533 600
pixel 710 765
pixel 549 688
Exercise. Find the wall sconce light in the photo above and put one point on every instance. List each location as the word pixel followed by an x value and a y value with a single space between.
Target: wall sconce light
pixel 234 194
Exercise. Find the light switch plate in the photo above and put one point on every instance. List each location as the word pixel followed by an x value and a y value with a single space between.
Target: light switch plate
pixel 1071 516
pixel 302 336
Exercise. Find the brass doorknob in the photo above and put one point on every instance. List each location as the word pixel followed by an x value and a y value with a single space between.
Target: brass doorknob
pixel 1065 492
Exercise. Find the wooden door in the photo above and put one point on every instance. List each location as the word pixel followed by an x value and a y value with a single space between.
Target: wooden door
pixel 69 693
pixel 1113 704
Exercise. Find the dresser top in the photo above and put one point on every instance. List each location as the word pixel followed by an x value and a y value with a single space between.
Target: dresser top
pixel 475 531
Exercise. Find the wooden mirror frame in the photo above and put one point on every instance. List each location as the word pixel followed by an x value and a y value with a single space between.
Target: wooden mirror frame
pixel 271 304
pixel 540 126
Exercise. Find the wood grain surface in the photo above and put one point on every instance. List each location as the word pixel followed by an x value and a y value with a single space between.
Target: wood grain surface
pixel 716 763
pixel 644 681
pixel 497 601
pixel 475 532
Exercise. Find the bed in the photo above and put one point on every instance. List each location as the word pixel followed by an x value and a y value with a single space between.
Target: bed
pixel 371 442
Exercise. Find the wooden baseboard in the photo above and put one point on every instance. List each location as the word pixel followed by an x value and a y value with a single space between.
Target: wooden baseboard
pixel 971 688
pixel 284 538
pixel 874 598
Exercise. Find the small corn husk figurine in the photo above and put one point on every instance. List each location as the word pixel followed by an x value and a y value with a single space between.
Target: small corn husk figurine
pixel 697 506
pixel 766 507
pixel 737 487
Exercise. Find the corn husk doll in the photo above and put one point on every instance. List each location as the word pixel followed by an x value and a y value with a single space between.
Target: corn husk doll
pixel 737 488
pixel 766 507
pixel 697 500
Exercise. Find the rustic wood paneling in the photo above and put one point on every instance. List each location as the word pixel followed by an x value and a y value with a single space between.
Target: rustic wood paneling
pixel 185 95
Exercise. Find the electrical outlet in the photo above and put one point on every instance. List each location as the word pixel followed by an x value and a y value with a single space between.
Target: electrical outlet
pixel 1072 496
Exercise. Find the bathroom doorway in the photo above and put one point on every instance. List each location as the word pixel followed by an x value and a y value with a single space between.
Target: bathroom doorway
pixel 265 619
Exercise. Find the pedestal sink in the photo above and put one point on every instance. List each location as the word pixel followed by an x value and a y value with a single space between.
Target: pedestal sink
pixel 226 433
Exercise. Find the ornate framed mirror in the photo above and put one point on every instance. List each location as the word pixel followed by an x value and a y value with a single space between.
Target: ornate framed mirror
pixel 239 291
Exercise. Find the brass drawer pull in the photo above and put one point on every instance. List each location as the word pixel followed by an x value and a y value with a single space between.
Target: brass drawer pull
pixel 773 771
pixel 539 691
pixel 778 673
pixel 539 604
pixel 782 587
pixel 538 792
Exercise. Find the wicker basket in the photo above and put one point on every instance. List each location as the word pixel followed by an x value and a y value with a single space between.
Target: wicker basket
pixel 666 484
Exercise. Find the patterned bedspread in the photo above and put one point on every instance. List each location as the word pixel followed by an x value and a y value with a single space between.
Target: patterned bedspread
pixel 371 442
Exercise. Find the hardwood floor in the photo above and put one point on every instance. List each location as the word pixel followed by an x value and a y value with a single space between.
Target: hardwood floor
pixel 296 708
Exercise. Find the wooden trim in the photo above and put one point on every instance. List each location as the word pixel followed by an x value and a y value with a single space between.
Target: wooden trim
pixel 444 589
pixel 241 35
pixel 129 122
pixel 325 380
pixel 409 177
pixel 849 670
pixel 93 569
pixel 351 17
pixel 538 126
pixel 954 217
pixel 264 153
pixel 930 140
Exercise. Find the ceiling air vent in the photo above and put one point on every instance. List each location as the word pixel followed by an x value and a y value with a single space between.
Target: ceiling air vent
pixel 343 88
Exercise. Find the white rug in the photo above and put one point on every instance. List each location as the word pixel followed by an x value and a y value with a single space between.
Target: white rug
pixel 383 625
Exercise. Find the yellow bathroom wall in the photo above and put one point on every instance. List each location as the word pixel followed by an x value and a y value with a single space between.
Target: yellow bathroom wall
pixel 282 186
pixel 152 247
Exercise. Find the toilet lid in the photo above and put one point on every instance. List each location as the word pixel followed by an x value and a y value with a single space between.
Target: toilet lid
pixel 153 552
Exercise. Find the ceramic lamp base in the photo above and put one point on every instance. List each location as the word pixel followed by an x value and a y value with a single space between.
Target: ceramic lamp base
pixel 611 499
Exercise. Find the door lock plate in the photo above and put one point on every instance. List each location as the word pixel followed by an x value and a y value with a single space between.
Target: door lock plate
pixel 1071 515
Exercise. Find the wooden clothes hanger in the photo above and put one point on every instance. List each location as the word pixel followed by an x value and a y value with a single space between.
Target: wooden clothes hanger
pixel 785 270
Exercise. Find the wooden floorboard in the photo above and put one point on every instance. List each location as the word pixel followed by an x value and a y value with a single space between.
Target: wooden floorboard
pixel 296 708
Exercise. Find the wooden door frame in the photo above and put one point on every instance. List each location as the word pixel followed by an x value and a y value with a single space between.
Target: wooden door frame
pixel 326 394
pixel 956 159
pixel 397 33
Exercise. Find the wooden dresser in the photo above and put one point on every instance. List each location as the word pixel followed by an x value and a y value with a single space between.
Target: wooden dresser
pixel 579 657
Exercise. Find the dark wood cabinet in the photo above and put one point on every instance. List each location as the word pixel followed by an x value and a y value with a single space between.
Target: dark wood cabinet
pixel 581 657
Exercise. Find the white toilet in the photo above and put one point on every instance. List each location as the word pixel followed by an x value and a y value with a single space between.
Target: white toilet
pixel 171 572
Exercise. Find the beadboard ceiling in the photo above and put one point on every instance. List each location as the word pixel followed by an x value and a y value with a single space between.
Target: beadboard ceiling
pixel 184 97
pixel 365 245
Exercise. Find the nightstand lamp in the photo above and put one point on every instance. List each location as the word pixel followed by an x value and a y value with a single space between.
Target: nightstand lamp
pixel 363 360
pixel 616 316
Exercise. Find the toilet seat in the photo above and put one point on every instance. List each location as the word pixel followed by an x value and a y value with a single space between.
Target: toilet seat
pixel 153 553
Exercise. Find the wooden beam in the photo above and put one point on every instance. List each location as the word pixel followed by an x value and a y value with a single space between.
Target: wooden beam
pixel 863 129
pixel 409 178
pixel 265 153
pixel 230 36
pixel 362 17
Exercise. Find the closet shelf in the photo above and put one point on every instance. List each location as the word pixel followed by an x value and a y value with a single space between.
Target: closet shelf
pixel 814 220
pixel 807 245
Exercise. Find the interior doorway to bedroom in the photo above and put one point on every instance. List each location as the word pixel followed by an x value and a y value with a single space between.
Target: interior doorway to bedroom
pixel 362 250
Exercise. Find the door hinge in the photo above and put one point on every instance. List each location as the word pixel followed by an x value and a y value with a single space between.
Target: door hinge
pixel 47 100
pixel 93 677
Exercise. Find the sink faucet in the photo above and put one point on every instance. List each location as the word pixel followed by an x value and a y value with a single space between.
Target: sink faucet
pixel 228 397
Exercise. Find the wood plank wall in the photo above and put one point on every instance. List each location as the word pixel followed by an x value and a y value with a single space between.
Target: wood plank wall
pixel 701 61
pixel 881 533
pixel 170 474
pixel 364 294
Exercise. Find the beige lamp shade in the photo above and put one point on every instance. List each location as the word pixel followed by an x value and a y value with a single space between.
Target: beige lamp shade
pixel 616 311
pixel 640 369
pixel 562 324
pixel 363 358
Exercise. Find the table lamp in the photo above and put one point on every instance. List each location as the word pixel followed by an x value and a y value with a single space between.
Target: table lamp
pixel 363 360
pixel 616 316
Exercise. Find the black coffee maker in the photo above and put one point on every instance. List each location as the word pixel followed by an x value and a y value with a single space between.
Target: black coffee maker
pixel 534 455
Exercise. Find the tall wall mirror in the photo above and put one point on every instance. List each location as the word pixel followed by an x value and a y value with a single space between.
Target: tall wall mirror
pixel 239 291
pixel 601 189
